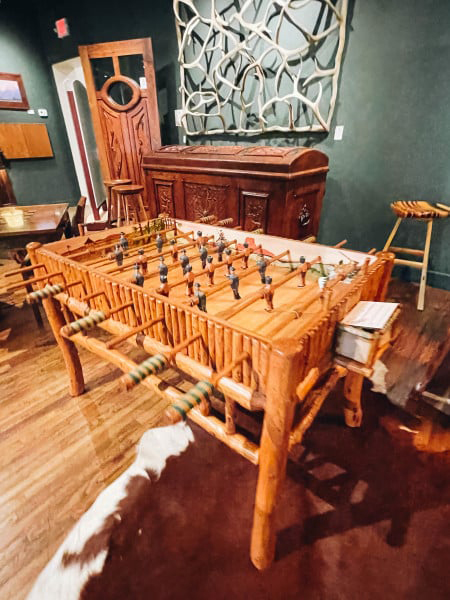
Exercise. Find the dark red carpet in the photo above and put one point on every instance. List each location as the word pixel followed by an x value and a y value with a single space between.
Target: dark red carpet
pixel 361 516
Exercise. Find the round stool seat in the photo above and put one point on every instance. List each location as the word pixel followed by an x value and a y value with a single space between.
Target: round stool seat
pixel 109 183
pixel 125 190
pixel 417 209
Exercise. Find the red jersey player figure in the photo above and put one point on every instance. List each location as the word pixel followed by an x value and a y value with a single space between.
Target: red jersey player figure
pixel 142 261
pixel 268 294
pixel 164 287
pixel 210 268
pixel 189 278
pixel 229 260
pixel 174 250
pixel 247 252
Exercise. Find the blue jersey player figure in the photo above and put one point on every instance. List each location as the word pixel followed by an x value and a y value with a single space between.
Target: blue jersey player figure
pixel 220 249
pixel 162 267
pixel 137 278
pixel 261 263
pixel 124 243
pixel 203 250
pixel 234 282
pixel 159 243
pixel 184 260
pixel 199 298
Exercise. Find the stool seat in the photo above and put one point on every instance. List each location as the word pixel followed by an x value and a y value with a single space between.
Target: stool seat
pixel 128 189
pixel 421 211
pixel 417 209
pixel 109 183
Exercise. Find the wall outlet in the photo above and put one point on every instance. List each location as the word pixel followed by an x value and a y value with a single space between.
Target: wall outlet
pixel 42 112
pixel 30 111
pixel 178 114
pixel 338 133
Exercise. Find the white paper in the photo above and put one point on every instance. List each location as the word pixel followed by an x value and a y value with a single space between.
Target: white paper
pixel 370 315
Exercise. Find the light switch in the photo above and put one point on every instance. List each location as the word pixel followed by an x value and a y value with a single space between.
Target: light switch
pixel 30 111
pixel 338 132
pixel 178 114
pixel 42 112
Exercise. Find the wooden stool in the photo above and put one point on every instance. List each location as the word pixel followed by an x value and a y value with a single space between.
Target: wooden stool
pixel 425 212
pixel 130 197
pixel 109 185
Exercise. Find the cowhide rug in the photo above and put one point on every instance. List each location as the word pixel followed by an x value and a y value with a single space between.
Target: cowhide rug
pixel 84 551
pixel 362 514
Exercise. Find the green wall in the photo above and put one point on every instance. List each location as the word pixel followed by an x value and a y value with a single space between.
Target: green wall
pixel 393 102
pixel 35 181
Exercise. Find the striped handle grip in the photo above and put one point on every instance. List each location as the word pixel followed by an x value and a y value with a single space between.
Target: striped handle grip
pixel 93 318
pixel 151 366
pixel 46 292
pixel 195 396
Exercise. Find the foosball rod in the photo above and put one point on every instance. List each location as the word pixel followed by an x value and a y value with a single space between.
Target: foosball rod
pixel 112 242
pixel 91 320
pixel 118 339
pixel 248 272
pixel 214 426
pixel 155 364
pixel 128 265
pixel 248 300
pixel 104 260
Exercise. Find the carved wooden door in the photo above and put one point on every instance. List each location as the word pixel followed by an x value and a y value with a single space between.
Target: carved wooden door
pixel 120 81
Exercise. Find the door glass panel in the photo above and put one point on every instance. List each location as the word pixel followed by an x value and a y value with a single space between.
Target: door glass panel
pixel 102 69
pixel 120 92
pixel 132 65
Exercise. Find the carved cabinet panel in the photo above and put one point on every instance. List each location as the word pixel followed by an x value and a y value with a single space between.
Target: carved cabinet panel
pixel 164 195
pixel 205 199
pixel 253 210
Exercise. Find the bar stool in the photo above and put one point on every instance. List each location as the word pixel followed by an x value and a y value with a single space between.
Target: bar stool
pixel 422 211
pixel 109 184
pixel 129 197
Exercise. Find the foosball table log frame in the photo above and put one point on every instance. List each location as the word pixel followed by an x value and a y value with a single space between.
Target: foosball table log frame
pixel 280 376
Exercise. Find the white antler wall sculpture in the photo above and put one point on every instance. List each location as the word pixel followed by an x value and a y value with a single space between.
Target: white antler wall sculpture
pixel 253 66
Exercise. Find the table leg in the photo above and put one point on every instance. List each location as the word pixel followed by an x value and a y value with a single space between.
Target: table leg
pixel 352 404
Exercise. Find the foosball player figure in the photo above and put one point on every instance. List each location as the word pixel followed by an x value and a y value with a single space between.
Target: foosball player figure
pixel 234 282
pixel 124 243
pixel 159 243
pixel 164 287
pixel 118 255
pixel 268 294
pixel 189 278
pixel 221 237
pixel 220 249
pixel 247 252
pixel 262 266
pixel 199 239
pixel 142 260
pixel 199 298
pixel 229 260
pixel 162 267
pixel 137 278
pixel 203 251
pixel 184 261
pixel 174 250
pixel 302 269
pixel 210 268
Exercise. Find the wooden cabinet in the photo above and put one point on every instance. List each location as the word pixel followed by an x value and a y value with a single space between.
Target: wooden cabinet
pixel 277 189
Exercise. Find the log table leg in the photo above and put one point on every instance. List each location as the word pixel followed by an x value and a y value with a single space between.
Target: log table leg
pixel 352 392
pixel 56 319
pixel 279 414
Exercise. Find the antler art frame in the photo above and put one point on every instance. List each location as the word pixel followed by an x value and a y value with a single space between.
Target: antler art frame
pixel 255 66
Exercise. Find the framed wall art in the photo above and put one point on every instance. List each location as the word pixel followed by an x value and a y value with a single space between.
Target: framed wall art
pixel 12 92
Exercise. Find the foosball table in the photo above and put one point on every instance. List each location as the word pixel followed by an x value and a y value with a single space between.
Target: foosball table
pixel 249 318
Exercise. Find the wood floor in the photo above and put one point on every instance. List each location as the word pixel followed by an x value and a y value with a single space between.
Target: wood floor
pixel 56 452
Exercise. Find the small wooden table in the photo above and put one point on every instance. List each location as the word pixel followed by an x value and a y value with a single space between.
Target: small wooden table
pixel 39 222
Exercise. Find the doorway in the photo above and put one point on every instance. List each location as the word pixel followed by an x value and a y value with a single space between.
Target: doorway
pixel 71 88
